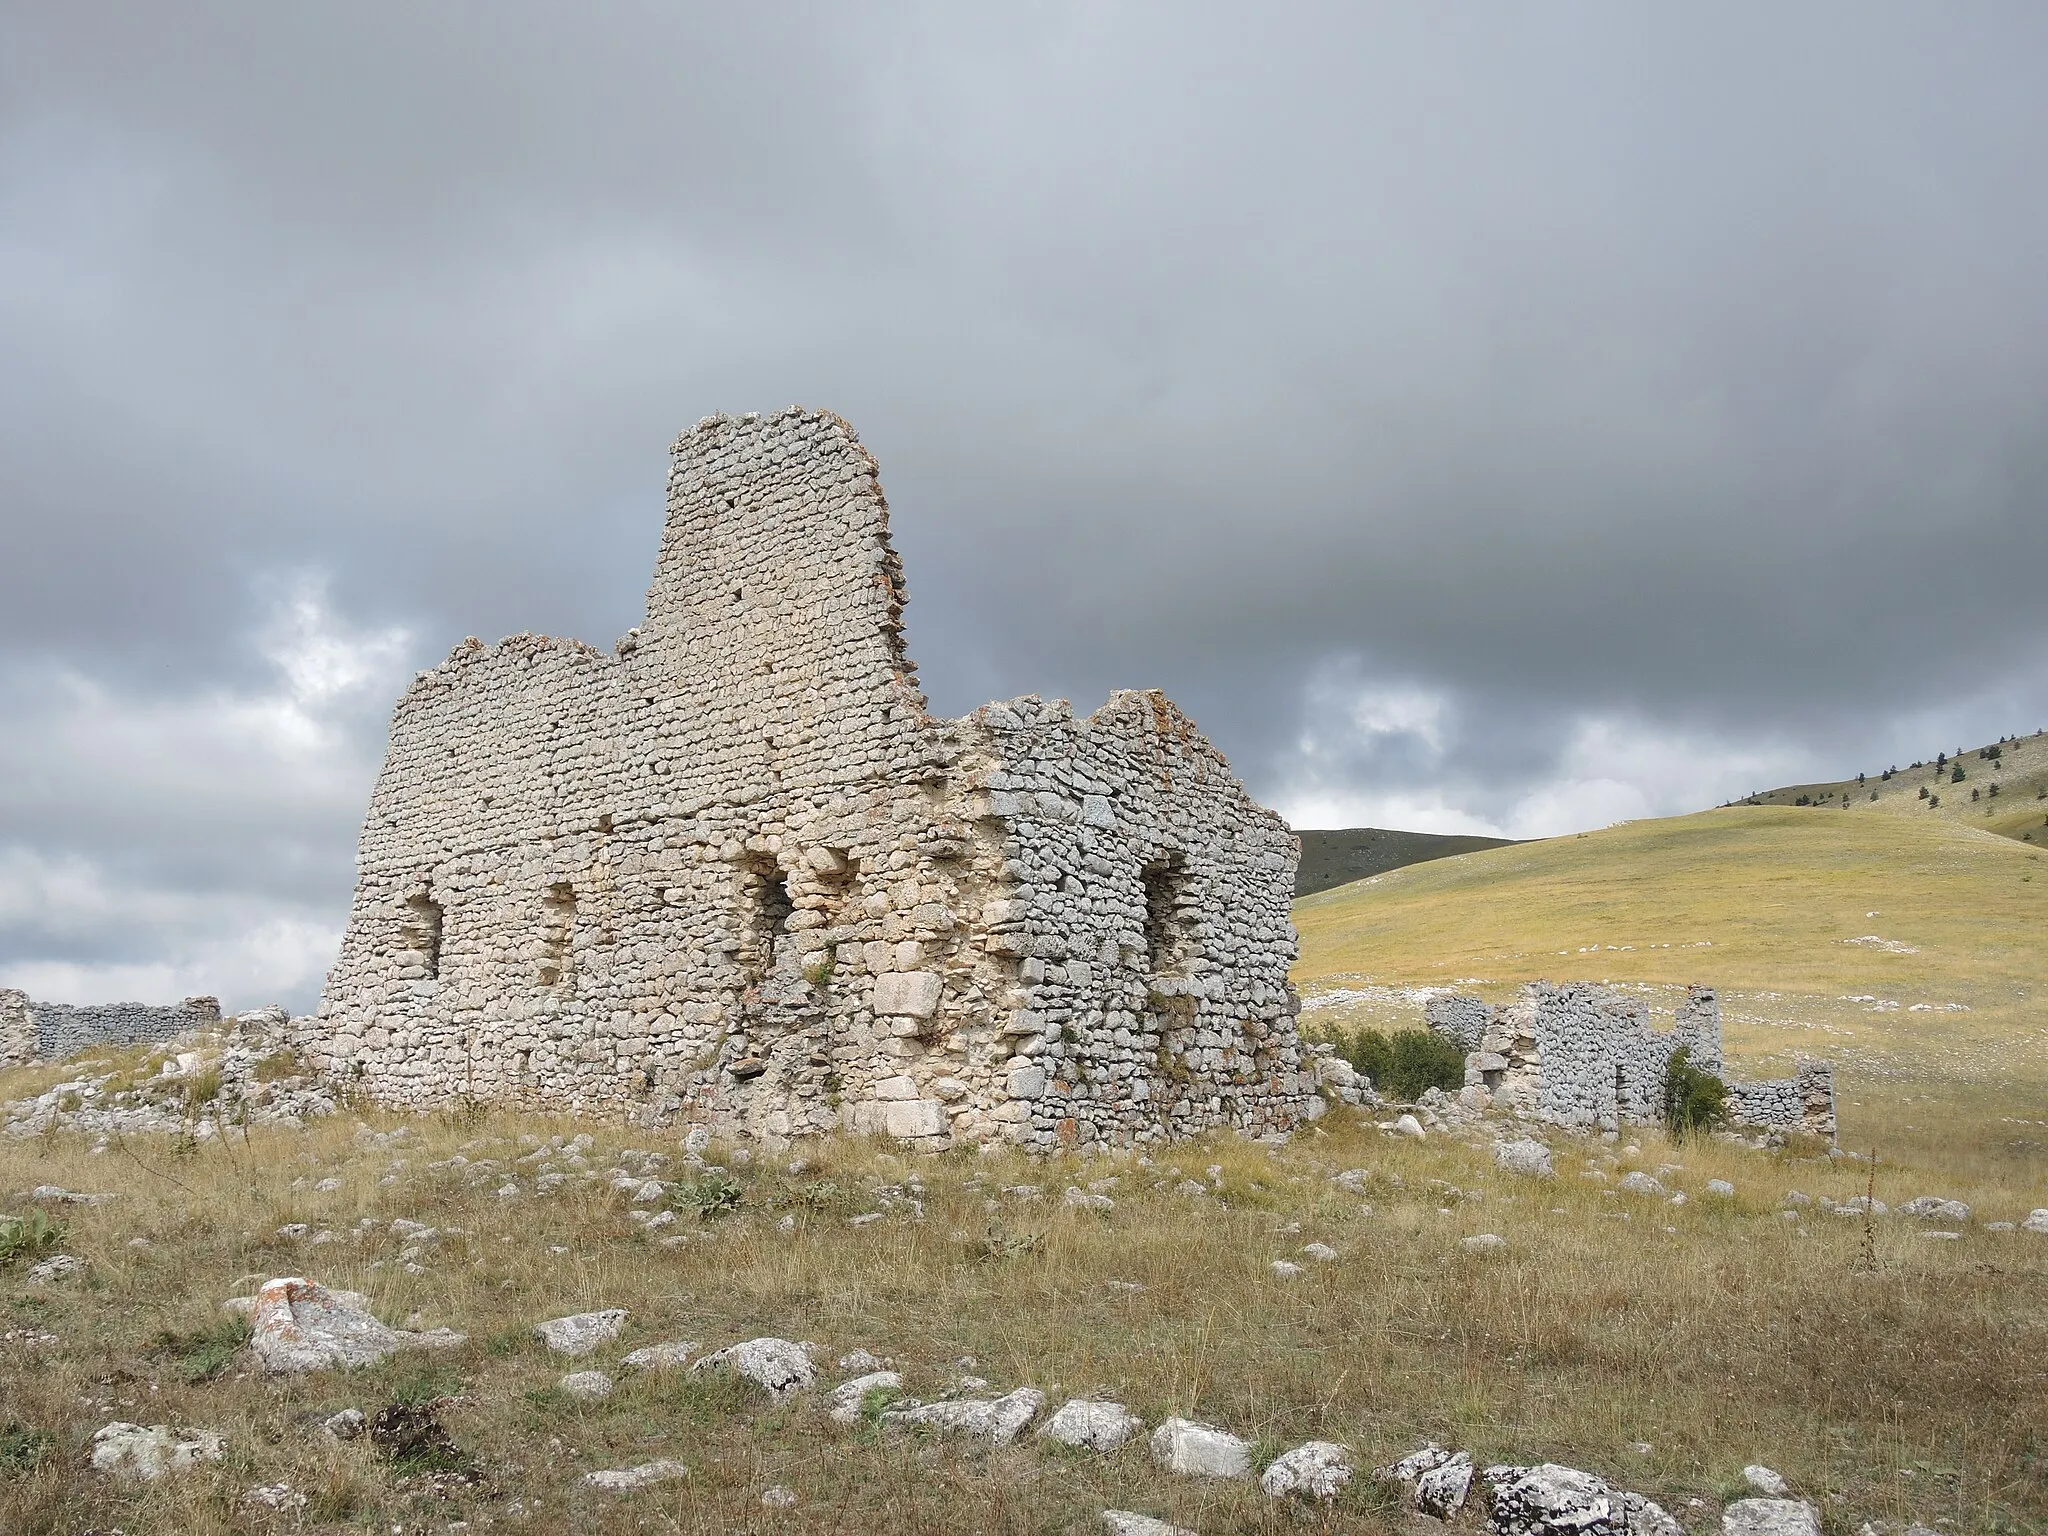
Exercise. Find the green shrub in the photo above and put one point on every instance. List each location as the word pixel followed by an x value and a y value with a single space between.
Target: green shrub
pixel 28 1237
pixel 714 1192
pixel 1405 1064
pixel 1694 1100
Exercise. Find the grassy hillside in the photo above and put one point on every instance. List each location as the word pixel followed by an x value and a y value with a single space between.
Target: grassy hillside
pixel 1335 857
pixel 2004 789
pixel 1912 950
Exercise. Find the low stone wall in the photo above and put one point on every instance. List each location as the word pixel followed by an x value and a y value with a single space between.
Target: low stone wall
pixel 1805 1102
pixel 33 1031
pixel 1578 1054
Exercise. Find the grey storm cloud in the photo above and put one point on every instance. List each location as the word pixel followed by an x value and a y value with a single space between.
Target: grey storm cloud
pixel 1506 419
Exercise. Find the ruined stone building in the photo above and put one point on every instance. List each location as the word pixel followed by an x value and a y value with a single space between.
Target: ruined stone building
pixel 1580 1055
pixel 33 1031
pixel 732 872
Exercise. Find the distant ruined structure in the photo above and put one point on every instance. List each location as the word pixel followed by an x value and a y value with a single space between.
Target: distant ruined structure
pixel 33 1031
pixel 733 873
pixel 1580 1055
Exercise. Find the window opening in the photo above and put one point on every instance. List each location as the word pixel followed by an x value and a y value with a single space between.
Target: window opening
pixel 420 934
pixel 558 919
pixel 769 892
pixel 1169 916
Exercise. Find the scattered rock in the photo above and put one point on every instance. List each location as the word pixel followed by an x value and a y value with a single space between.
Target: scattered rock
pixel 1411 1127
pixel 1316 1470
pixel 1770 1517
pixel 1122 1522
pixel 585 1386
pixel 1765 1481
pixel 860 1360
pixel 1442 1489
pixel 345 1425
pixel 1525 1156
pixel 1935 1208
pixel 1286 1269
pixel 296 1325
pixel 1198 1450
pixel 2037 1221
pixel 144 1453
pixel 279 1496
pixel 775 1365
pixel 843 1403
pixel 626 1479
pixel 1415 1463
pixel 1484 1242
pixel 58 1266
pixel 996 1420
pixel 1093 1426
pixel 1322 1253
pixel 581 1333
pixel 660 1357
pixel 1549 1500
pixel 1080 1199
pixel 56 1194
pixel 778 1497
pixel 1640 1183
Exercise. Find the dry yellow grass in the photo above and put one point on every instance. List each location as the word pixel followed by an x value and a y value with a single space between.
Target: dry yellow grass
pixel 1939 1031
pixel 1718 1333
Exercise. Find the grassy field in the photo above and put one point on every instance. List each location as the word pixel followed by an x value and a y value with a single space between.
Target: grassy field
pixel 1890 1375
pixel 1714 1333
pixel 1337 857
pixel 1913 952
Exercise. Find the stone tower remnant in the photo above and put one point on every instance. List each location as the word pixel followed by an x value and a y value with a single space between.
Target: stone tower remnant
pixel 734 874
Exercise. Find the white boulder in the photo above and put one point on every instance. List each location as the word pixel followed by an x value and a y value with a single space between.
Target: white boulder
pixel 660 1357
pixel 1764 1481
pixel 144 1453
pixel 1523 1156
pixel 1092 1426
pixel 581 1333
pixel 626 1479
pixel 777 1366
pixel 297 1325
pixel 842 1403
pixel 996 1420
pixel 1122 1522
pixel 1317 1470
pixel 1199 1450
pixel 585 1386
pixel 1770 1517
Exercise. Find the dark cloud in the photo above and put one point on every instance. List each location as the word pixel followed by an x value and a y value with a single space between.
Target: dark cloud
pixel 1515 421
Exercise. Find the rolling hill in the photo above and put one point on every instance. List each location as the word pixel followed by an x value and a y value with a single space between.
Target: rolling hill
pixel 2002 788
pixel 1907 948
pixel 1330 858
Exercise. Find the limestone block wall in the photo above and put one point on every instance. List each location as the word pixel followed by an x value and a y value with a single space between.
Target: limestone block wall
pixel 33 1031
pixel 733 872
pixel 1458 1017
pixel 1577 1054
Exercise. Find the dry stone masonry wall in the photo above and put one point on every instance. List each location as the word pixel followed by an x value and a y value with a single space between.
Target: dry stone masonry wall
pixel 33 1031
pixel 734 873
pixel 1577 1054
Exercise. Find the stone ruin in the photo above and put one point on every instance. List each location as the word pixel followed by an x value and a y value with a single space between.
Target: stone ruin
pixel 1576 1054
pixel 734 874
pixel 31 1031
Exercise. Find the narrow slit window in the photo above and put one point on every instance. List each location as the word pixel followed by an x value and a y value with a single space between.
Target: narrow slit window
pixel 1169 916
pixel 419 936
pixel 769 898
pixel 558 916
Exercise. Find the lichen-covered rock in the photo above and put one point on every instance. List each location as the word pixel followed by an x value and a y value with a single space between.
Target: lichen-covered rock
pixel 1770 1517
pixel 776 1366
pixel 843 1402
pixel 297 1325
pixel 1935 1208
pixel 1442 1489
pixel 1640 1183
pixel 1526 1157
pixel 1122 1522
pixel 627 1479
pixel 1092 1425
pixel 586 1386
pixel 144 1453
pixel 1317 1470
pixel 1764 1481
pixel 996 1420
pixel 581 1333
pixel 1551 1500
pixel 1200 1450
pixel 660 1357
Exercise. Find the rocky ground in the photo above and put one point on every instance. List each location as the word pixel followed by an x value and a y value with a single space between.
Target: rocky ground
pixel 232 1308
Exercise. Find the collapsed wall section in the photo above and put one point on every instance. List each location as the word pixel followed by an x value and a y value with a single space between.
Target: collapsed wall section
pixel 1578 1054
pixel 31 1031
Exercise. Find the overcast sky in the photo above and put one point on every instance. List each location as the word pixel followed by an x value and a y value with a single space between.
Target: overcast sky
pixel 1506 419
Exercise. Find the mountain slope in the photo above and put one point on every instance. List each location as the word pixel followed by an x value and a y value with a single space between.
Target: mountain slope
pixel 2003 789
pixel 1334 857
